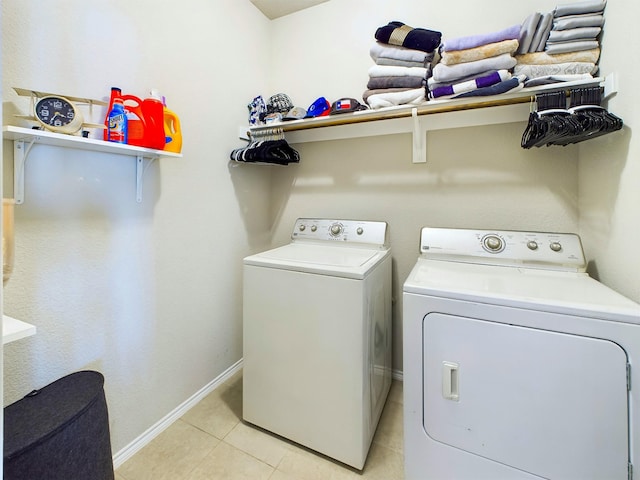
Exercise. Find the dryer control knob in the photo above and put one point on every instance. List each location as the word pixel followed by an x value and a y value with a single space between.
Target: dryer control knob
pixel 493 243
pixel 532 245
pixel 555 246
pixel 336 229
pixel 359 231
pixel 313 228
pixel 301 228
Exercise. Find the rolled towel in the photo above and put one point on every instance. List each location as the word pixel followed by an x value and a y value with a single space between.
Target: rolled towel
pixel 527 31
pixel 390 99
pixel 578 21
pixel 511 85
pixel 481 82
pixel 544 58
pixel 542 33
pixel 570 68
pixel 395 82
pixel 471 41
pixel 478 53
pixel 447 73
pixel 575 46
pixel 588 6
pixel 381 50
pixel 585 33
pixel 394 71
pixel 397 33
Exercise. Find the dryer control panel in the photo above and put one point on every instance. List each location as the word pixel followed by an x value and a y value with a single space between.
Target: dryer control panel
pixel 333 230
pixel 557 251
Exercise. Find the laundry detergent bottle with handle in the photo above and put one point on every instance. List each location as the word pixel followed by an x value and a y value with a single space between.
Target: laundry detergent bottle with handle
pixel 145 120
pixel 172 132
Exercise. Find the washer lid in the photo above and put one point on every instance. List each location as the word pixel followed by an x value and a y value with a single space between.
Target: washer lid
pixel 342 261
pixel 573 293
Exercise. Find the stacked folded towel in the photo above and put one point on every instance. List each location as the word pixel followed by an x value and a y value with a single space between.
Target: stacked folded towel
pixel 403 57
pixel 476 65
pixel 562 45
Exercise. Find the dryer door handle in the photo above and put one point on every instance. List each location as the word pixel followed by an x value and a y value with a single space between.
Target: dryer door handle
pixel 450 381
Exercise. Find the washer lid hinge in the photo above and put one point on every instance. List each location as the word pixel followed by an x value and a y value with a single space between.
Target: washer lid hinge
pixel 628 377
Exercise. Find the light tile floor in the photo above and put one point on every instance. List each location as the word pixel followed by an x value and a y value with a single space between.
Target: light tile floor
pixel 211 442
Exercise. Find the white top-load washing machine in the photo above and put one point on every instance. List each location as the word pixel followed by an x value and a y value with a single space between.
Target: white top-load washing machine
pixel 517 364
pixel 317 336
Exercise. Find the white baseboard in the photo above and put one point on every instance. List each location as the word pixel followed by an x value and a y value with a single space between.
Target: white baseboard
pixel 139 443
pixel 134 447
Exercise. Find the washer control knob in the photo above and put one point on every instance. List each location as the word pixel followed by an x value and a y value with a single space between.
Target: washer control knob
pixel 302 228
pixel 359 231
pixel 532 245
pixel 492 243
pixel 555 246
pixel 313 228
pixel 336 229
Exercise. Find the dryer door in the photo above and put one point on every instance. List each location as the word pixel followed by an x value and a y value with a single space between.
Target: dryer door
pixel 551 404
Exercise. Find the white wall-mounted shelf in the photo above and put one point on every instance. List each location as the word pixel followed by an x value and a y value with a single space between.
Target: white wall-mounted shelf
pixel 14 329
pixel 420 119
pixel 26 138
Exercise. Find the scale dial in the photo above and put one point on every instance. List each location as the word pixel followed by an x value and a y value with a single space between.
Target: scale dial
pixel 57 114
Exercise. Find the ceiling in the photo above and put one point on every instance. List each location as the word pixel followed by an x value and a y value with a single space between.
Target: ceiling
pixel 279 8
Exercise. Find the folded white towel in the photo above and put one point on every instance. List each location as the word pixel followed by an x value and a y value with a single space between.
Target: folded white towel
pixel 381 50
pixel 407 97
pixel 396 71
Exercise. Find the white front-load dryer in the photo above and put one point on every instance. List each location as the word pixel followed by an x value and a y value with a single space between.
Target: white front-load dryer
pixel 317 336
pixel 517 364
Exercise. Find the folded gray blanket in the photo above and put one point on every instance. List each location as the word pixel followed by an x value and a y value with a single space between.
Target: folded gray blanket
pixel 527 32
pixel 400 63
pixel 588 6
pixel 584 33
pixel 574 46
pixel 542 33
pixel 578 21
pixel 395 82
pixel 432 84
pixel 446 73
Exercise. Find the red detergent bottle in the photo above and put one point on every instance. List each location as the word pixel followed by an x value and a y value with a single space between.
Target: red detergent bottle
pixel 145 121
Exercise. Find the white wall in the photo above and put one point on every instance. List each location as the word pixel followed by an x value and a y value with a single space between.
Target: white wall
pixel 473 178
pixel 610 167
pixel 149 294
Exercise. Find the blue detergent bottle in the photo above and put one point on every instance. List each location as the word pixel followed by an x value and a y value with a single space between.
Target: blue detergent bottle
pixel 117 125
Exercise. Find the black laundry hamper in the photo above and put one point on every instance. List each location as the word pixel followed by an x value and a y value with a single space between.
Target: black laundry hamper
pixel 60 432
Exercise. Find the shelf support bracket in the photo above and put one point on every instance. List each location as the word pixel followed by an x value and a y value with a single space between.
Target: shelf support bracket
pixel 20 154
pixel 141 167
pixel 419 139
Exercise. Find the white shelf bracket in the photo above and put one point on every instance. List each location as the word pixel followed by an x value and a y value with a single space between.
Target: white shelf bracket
pixel 419 139
pixel 610 85
pixel 20 154
pixel 141 167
